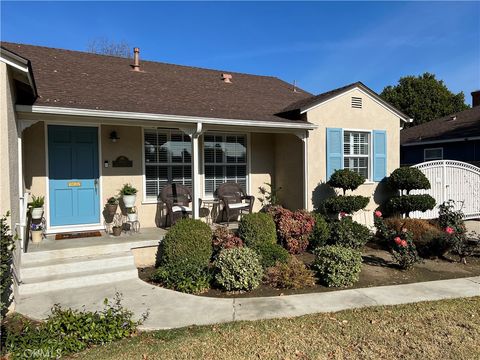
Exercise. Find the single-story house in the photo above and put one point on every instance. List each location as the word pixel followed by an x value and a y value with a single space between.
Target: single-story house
pixel 76 126
pixel 452 137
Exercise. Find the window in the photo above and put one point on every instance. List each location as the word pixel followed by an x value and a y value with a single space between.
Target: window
pixel 225 160
pixel 168 159
pixel 433 154
pixel 356 152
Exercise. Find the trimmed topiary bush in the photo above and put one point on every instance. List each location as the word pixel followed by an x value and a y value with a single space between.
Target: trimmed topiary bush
pixel 238 269
pixel 346 204
pixel 292 275
pixel 407 179
pixel 183 277
pixel 346 179
pixel 258 228
pixel 320 233
pixel 188 241
pixel 408 203
pixel 349 233
pixel 270 254
pixel 337 265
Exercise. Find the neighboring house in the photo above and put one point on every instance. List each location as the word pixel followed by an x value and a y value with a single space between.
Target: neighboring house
pixel 73 116
pixel 452 137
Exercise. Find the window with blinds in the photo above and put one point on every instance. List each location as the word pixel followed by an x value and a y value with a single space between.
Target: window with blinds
pixel 168 159
pixel 356 152
pixel 225 160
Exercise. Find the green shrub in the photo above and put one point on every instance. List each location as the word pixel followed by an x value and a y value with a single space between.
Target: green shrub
pixel 337 265
pixel 183 277
pixel 188 241
pixel 238 269
pixel 408 178
pixel 408 203
pixel 349 233
pixel 37 202
pixel 68 331
pixel 270 254
pixel 128 189
pixel 256 229
pixel 320 233
pixel 346 179
pixel 224 238
pixel 346 204
pixel 7 246
pixel 292 275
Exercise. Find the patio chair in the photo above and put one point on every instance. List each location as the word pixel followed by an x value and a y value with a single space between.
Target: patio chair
pixel 177 199
pixel 234 200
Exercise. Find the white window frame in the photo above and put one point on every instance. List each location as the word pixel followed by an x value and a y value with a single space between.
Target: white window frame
pixel 425 158
pixel 169 131
pixel 369 156
pixel 204 163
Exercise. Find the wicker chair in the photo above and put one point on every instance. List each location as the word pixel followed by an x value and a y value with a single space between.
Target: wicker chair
pixel 177 199
pixel 234 200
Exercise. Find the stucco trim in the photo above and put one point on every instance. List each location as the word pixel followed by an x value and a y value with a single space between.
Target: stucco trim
pixel 53 110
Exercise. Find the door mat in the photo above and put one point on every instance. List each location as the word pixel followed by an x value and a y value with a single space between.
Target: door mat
pixel 77 235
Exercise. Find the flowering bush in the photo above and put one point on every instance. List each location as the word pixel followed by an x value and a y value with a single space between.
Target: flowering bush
pixel 293 228
pixel 402 247
pixel 224 238
pixel 36 227
pixel 292 275
pixel 451 221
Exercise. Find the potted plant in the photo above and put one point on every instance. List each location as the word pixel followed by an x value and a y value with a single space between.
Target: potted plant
pixel 132 214
pixel 118 226
pixel 129 195
pixel 111 205
pixel 37 232
pixel 36 207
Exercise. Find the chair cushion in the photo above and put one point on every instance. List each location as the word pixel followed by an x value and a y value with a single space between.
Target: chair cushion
pixel 238 205
pixel 177 208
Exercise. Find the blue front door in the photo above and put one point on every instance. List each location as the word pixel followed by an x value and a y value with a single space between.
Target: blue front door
pixel 73 175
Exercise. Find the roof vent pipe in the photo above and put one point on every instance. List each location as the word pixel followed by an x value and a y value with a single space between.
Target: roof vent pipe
pixel 136 59
pixel 227 78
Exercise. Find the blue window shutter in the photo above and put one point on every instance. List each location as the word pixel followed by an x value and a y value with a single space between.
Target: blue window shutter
pixel 334 150
pixel 379 155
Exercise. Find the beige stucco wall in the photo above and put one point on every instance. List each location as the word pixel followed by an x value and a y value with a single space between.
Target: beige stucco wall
pixel 289 170
pixel 262 163
pixel 34 159
pixel 338 113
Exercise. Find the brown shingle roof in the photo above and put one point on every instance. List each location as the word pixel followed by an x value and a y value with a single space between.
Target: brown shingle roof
pixel 466 124
pixel 83 80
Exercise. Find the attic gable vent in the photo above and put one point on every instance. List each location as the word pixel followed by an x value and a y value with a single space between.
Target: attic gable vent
pixel 356 102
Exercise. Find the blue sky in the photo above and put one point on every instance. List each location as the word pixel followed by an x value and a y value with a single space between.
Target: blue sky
pixel 321 45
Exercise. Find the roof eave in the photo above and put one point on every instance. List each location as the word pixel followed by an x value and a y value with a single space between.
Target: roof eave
pixel 19 63
pixel 110 114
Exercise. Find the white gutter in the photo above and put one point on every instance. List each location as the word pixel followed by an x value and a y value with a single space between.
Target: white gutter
pixel 53 110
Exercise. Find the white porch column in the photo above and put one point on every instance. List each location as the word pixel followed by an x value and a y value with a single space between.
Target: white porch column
pixel 304 137
pixel 194 135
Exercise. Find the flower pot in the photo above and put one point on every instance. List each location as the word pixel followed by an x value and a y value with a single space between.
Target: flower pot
pixel 111 208
pixel 37 236
pixel 37 213
pixel 132 217
pixel 117 230
pixel 129 200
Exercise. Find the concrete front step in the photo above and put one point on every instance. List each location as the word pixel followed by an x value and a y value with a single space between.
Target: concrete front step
pixel 46 283
pixel 63 266
pixel 87 250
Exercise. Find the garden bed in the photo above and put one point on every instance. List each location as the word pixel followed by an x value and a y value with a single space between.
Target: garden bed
pixel 377 270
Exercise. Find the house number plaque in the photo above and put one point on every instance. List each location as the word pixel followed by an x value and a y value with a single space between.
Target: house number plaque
pixel 74 184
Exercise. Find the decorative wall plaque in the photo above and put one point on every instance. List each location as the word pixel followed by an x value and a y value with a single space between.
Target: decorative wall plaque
pixel 122 161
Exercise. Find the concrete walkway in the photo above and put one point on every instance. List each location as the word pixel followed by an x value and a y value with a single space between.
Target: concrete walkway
pixel 170 309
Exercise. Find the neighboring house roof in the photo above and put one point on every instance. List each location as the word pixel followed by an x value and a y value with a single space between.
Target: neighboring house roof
pixel 306 104
pixel 462 125
pixel 74 79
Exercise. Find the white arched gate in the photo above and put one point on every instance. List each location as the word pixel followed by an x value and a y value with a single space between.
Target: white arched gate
pixel 450 179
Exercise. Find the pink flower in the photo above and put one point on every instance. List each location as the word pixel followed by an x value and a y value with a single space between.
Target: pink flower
pixel 397 240
pixel 403 243
pixel 343 214
pixel 449 230
pixel 378 213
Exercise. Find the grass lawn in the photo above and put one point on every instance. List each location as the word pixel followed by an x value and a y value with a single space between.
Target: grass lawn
pixel 448 329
